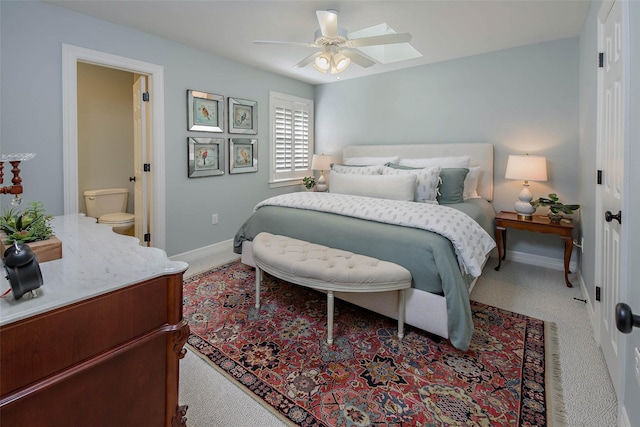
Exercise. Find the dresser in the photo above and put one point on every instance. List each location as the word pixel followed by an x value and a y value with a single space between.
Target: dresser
pixel 100 345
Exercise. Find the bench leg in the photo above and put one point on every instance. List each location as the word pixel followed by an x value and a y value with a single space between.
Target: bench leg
pixel 329 317
pixel 401 313
pixel 258 281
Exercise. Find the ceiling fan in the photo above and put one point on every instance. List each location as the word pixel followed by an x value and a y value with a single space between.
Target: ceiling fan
pixel 337 50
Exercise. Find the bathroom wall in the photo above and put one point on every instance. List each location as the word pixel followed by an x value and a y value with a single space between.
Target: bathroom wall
pixel 105 130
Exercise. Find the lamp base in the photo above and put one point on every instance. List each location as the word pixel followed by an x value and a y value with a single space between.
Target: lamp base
pixel 523 205
pixel 321 185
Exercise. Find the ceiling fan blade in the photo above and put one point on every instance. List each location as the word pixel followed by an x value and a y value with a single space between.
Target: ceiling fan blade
pixel 328 20
pixel 380 40
pixel 306 61
pixel 358 58
pixel 287 43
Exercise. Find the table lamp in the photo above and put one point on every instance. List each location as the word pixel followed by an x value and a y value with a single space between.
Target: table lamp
pixel 526 168
pixel 322 163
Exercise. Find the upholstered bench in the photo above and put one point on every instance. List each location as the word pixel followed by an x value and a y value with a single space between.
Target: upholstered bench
pixel 327 269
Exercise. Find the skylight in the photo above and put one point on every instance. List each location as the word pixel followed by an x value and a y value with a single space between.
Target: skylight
pixel 385 54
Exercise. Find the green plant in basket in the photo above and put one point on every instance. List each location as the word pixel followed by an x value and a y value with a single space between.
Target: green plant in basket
pixel 29 225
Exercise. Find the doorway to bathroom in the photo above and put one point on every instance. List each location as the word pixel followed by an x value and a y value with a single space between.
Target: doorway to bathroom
pixel 122 164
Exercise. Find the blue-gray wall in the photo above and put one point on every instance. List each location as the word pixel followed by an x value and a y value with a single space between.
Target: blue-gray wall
pixel 522 100
pixel 31 37
pixel 588 143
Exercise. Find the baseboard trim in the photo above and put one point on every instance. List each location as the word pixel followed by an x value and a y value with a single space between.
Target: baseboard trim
pixel 217 250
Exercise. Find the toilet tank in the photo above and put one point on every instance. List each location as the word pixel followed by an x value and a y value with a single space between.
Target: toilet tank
pixel 105 201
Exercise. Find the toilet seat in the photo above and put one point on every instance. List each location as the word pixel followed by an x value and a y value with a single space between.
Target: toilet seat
pixel 117 218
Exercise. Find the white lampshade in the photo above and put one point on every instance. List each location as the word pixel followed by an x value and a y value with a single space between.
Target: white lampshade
pixel 526 168
pixel 321 162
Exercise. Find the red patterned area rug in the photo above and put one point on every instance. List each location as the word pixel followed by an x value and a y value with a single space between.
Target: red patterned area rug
pixel 279 355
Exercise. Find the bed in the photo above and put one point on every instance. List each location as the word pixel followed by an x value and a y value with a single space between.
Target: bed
pixel 438 301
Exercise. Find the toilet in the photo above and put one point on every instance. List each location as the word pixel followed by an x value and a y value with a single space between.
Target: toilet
pixel 109 206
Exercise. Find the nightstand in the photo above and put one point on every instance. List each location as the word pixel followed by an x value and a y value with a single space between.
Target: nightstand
pixel 537 223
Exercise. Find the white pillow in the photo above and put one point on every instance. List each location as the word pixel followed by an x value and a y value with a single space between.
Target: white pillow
pixel 394 187
pixel 357 170
pixel 427 180
pixel 443 162
pixel 367 161
pixel 471 184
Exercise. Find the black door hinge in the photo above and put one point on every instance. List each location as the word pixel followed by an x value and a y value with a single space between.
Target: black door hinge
pixel 597 293
pixel 147 237
pixel 601 60
pixel 147 167
pixel 599 177
pixel 145 96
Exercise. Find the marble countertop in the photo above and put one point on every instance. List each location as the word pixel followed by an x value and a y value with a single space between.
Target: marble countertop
pixel 95 261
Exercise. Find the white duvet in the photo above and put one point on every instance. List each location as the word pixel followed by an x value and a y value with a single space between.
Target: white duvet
pixel 470 241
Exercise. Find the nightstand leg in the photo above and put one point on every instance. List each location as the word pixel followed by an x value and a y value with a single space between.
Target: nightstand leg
pixel 501 243
pixel 568 248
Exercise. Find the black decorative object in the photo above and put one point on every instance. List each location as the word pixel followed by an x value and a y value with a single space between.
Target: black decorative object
pixel 23 270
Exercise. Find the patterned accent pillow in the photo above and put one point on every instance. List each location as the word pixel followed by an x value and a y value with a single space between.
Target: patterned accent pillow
pixel 357 170
pixel 427 181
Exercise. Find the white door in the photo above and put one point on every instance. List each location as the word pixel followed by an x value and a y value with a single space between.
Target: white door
pixel 140 155
pixel 609 202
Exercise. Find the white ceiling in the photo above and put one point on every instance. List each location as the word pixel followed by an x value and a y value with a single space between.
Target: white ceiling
pixel 442 30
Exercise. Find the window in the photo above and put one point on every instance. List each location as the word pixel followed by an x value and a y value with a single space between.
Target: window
pixel 291 145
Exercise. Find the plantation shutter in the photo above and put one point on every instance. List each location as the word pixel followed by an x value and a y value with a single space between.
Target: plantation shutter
pixel 292 142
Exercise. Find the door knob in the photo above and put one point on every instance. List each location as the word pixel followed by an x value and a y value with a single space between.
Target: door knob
pixel 132 178
pixel 608 216
pixel 625 319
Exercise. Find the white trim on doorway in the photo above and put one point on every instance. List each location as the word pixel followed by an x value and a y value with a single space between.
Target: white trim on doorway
pixel 70 57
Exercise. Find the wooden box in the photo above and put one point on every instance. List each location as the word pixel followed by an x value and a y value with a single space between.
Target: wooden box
pixel 45 250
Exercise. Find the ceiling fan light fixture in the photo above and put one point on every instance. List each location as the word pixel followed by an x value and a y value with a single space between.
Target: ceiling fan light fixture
pixel 339 63
pixel 322 62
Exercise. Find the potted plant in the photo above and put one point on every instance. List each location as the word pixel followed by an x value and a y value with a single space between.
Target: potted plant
pixel 557 209
pixel 309 182
pixel 31 225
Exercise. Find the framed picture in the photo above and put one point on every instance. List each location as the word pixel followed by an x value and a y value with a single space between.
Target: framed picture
pixel 205 111
pixel 243 155
pixel 243 116
pixel 206 157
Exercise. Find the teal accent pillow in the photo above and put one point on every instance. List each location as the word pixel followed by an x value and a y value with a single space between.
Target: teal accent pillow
pixel 451 189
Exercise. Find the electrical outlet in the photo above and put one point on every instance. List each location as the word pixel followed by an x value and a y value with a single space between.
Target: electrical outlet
pixel 214 219
pixel 637 357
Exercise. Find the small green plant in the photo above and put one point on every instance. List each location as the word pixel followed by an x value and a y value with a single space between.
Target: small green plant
pixel 554 204
pixel 309 182
pixel 29 225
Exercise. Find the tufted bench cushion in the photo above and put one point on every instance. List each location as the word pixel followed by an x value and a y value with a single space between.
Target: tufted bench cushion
pixel 327 269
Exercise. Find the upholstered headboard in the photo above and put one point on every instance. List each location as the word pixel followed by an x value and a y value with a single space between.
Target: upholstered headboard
pixel 481 155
